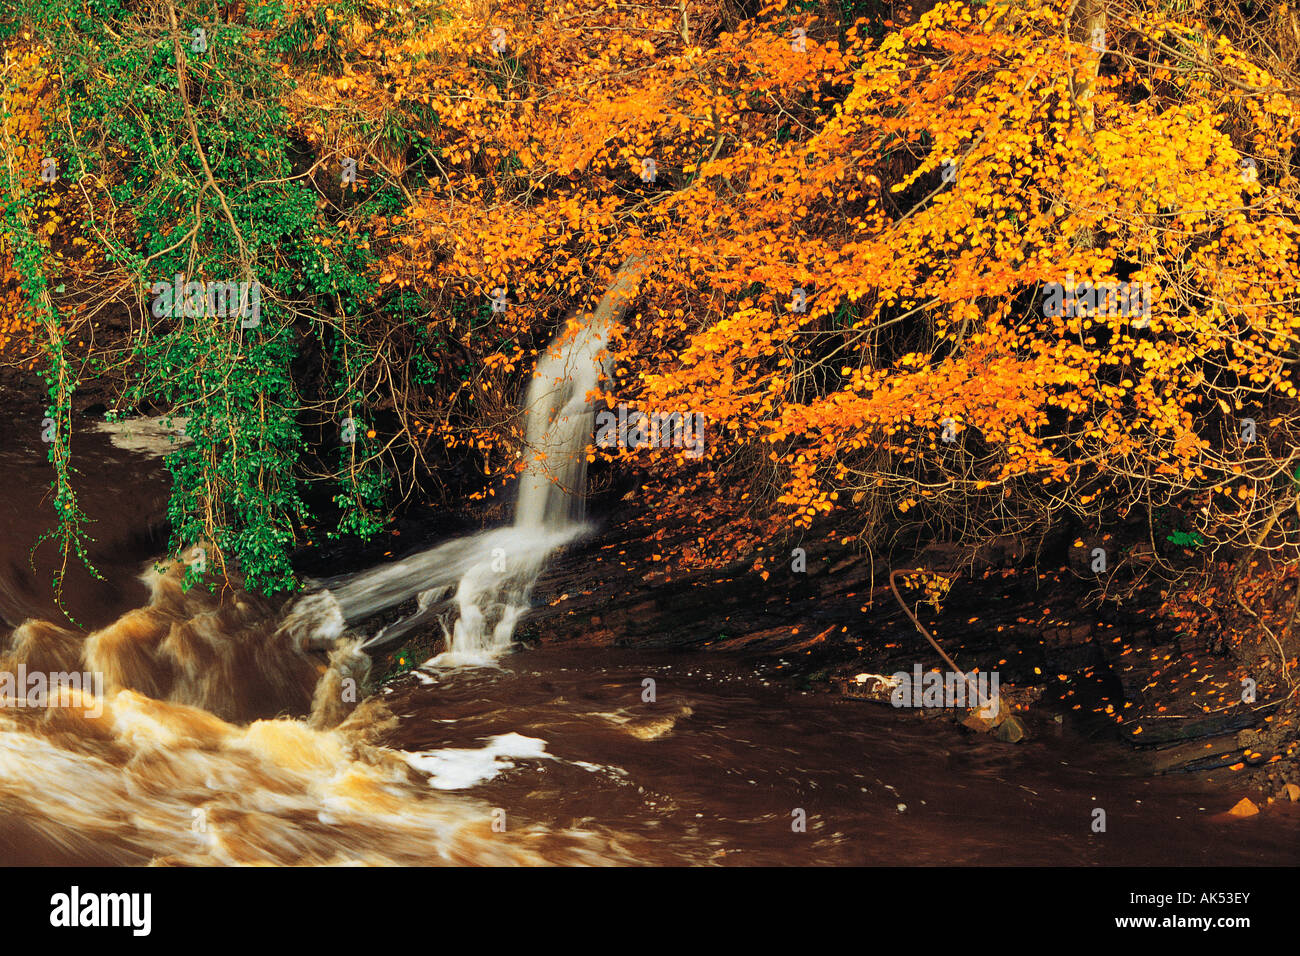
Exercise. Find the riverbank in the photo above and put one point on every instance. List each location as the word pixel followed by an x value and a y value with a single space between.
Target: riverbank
pixel 1107 671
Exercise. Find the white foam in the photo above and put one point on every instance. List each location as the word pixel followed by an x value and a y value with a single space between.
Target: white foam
pixel 455 768
pixel 450 659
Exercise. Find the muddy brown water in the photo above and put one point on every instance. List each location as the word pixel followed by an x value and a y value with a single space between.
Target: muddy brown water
pixel 123 494
pixel 553 755
pixel 717 766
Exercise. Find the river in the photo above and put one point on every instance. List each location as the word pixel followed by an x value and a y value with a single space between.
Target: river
pixel 552 755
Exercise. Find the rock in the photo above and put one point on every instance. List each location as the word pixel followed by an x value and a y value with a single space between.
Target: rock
pixel 1292 792
pixel 1071 636
pixel 985 719
pixel 156 436
pixel 877 687
pixel 940 556
pixel 1010 730
pixel 973 721
pixel 1244 808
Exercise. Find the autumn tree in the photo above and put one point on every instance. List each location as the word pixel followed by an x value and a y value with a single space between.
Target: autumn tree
pixel 1003 265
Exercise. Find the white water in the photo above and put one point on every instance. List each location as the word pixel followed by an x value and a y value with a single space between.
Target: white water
pixel 458 768
pixel 483 583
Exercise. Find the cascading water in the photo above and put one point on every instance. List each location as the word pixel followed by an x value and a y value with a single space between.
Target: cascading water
pixel 487 578
pixel 210 736
pixel 185 725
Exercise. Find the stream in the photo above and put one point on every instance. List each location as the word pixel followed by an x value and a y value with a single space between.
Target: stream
pixel 551 755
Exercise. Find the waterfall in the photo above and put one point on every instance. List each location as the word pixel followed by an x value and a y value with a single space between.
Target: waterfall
pixel 485 580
